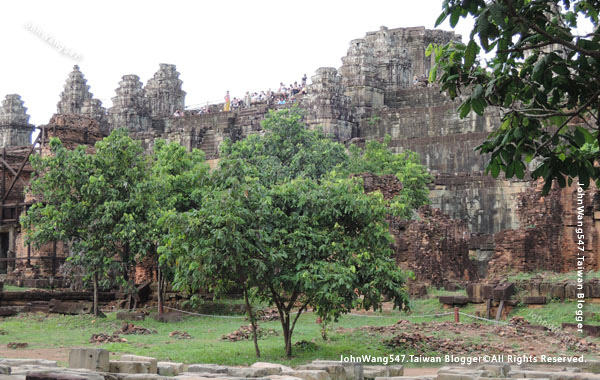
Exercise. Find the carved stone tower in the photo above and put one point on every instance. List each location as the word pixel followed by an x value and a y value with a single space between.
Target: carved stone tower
pixel 130 107
pixel 164 92
pixel 76 92
pixel 15 129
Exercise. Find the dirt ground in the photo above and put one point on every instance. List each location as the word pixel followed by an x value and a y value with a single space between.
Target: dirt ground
pixel 59 354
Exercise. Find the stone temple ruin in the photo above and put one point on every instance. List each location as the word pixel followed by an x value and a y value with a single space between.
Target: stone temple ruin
pixel 475 227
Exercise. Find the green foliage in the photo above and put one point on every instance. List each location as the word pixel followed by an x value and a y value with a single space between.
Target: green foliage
pixel 93 202
pixel 376 158
pixel 544 76
pixel 278 221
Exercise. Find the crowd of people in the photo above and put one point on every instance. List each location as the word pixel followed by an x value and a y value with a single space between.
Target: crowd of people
pixel 285 94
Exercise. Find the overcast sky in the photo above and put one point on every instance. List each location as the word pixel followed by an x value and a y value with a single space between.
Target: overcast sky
pixel 217 46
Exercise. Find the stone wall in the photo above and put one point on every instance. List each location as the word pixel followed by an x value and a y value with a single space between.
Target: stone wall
pixel 435 247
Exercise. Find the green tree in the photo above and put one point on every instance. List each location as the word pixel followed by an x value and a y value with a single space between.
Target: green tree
pixel 280 223
pixel 176 178
pixel 544 75
pixel 94 203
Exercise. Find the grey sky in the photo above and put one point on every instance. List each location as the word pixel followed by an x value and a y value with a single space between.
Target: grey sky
pixel 217 46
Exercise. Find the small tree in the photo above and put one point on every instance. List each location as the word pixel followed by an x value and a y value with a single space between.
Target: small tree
pixel 282 222
pixel 93 202
pixel 176 178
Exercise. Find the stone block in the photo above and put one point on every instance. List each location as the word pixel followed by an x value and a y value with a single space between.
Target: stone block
pixel 456 376
pixel 594 289
pixel 308 374
pixel 121 366
pixel 535 300
pixel 69 307
pixel 488 291
pixel 475 292
pixel 177 368
pixel 497 370
pixel 4 369
pixel 589 330
pixel 558 291
pixel 253 372
pixel 95 359
pixel 353 370
pixel 504 292
pixel 135 358
pixel 335 371
pixel 373 371
pixel 571 290
pixel 145 376
pixel 282 377
pixel 207 368
pixel 271 365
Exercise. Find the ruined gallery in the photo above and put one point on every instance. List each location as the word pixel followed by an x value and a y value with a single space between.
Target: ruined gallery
pixel 476 227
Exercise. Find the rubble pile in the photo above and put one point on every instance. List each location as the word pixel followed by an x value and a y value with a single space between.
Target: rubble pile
pixel 180 335
pixel 423 344
pixel 245 333
pixel 105 338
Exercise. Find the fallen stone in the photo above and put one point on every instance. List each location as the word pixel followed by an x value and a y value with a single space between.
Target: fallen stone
pixel 496 370
pixel 371 371
pixel 271 365
pixel 21 362
pixel 283 377
pixel 253 372
pixel 308 374
pixel 69 307
pixel 145 376
pixel 137 367
pixel 535 300
pixel 177 368
pixel 208 368
pixel 518 374
pixel 135 358
pixel 335 371
pixel 204 375
pixel 4 369
pixel 95 359
pixel 353 370
pixel 504 292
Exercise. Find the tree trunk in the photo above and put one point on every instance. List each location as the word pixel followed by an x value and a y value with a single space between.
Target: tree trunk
pixel 160 287
pixel 95 307
pixel 252 322
pixel 287 334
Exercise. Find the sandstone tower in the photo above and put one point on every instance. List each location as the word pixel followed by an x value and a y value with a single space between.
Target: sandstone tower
pixel 15 129
pixel 164 92
pixel 130 107
pixel 76 92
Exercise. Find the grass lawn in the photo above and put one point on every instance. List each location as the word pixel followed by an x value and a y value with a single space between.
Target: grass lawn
pixel 54 331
